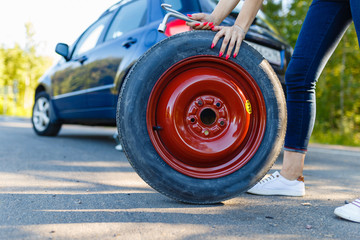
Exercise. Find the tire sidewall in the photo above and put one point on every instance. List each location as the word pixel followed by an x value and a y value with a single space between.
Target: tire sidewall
pixel 131 120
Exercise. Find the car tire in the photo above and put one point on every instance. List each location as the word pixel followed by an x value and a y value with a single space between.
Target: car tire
pixel 43 119
pixel 224 146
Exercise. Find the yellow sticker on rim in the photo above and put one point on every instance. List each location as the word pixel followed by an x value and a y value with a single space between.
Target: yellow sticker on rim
pixel 248 107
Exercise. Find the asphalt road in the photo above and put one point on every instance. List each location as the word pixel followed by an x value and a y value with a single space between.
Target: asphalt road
pixel 77 186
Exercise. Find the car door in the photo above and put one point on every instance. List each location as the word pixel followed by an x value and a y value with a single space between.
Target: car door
pixel 120 47
pixel 70 80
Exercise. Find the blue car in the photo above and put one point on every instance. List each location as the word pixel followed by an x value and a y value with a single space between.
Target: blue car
pixel 83 87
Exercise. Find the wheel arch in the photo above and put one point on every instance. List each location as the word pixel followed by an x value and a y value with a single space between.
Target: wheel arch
pixel 39 89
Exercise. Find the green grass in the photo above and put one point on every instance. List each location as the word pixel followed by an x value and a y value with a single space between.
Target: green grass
pixel 335 137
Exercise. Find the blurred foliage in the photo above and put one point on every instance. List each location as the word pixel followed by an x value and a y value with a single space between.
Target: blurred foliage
pixel 338 88
pixel 20 68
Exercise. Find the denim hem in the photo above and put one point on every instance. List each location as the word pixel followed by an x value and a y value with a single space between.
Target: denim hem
pixel 304 151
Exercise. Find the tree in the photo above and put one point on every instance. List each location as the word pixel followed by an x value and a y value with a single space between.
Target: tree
pixel 19 71
pixel 289 21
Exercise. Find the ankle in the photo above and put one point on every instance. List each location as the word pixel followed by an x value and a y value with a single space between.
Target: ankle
pixel 293 165
pixel 290 175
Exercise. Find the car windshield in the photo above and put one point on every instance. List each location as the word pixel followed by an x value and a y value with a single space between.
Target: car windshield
pixel 261 19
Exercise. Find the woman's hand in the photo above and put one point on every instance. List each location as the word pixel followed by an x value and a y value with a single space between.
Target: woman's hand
pixel 233 37
pixel 207 21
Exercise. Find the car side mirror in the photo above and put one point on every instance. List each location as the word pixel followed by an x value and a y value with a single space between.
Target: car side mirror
pixel 63 50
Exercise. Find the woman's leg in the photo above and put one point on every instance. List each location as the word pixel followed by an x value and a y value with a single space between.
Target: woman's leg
pixel 322 30
pixel 293 165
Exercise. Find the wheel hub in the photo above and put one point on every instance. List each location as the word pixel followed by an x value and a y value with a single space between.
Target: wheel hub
pixel 206 116
pixel 41 115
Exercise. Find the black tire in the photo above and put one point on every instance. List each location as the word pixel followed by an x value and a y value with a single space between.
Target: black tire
pixel 43 116
pixel 138 147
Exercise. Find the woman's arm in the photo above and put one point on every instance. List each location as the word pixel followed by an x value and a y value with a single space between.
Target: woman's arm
pixel 221 11
pixel 234 35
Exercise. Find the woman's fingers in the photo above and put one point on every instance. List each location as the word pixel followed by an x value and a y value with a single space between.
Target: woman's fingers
pixel 203 21
pixel 201 26
pixel 197 16
pixel 237 46
pixel 217 36
pixel 216 28
pixel 233 38
pixel 227 38
pixel 231 45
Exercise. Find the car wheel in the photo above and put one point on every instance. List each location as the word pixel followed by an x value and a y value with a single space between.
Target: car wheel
pixel 42 120
pixel 199 128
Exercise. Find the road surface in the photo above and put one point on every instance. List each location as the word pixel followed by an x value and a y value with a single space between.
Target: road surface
pixel 77 186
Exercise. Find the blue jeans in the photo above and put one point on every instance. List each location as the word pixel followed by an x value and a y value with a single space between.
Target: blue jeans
pixel 322 30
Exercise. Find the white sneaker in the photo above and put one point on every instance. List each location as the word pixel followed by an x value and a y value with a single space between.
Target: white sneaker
pixel 278 185
pixel 349 211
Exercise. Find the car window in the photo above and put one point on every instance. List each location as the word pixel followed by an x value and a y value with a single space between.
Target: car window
pixel 90 38
pixel 128 18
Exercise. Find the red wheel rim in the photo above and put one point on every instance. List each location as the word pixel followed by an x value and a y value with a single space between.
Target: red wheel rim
pixel 206 117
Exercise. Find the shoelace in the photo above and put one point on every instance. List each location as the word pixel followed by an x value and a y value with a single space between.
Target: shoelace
pixel 356 202
pixel 272 177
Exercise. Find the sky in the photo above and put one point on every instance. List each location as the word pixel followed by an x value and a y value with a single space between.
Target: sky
pixel 53 20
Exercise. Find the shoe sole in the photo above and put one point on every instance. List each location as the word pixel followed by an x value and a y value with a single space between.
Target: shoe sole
pixel 279 193
pixel 344 215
